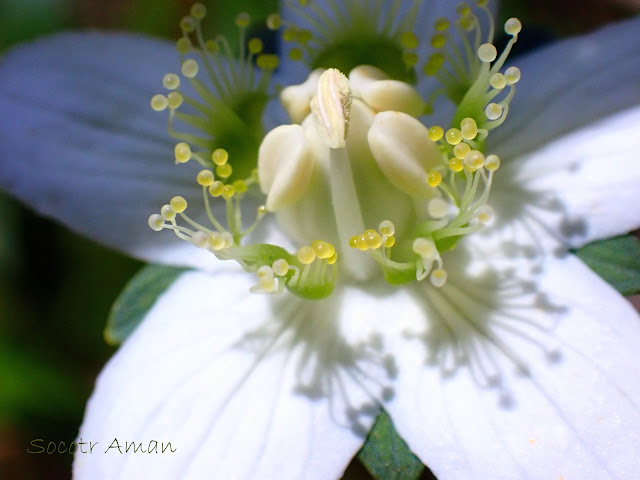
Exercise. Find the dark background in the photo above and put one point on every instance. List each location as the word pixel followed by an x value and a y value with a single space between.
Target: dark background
pixel 56 288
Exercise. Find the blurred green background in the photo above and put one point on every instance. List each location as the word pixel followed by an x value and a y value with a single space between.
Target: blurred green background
pixel 56 288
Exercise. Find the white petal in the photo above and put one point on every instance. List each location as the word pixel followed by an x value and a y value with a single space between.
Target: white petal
pixel 81 143
pixel 579 188
pixel 557 400
pixel 570 84
pixel 241 386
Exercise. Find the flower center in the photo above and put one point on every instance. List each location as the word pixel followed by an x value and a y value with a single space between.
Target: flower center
pixel 357 179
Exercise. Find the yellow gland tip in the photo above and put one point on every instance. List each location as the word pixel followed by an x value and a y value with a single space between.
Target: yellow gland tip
pixel 353 241
pixel 268 61
pixel 182 152
pixel 468 128
pixel 438 278
pixel 167 212
pixel 255 45
pixel 219 156
pixel 456 164
pixel 333 258
pixel 205 178
pixel 156 222
pixel 409 40
pixel 188 24
pixel 425 248
pixel 306 255
pixel 474 160
pixel 228 191
pixel 438 40
pixel 171 81
pixel 390 241
pixel 174 99
pixel 240 186
pixel 183 45
pixel 484 214
pixel 441 24
pixel 190 68
pixel 373 239
pixel 434 178
pixel 280 267
pixel 178 204
pixel 487 53
pixel 159 102
pixel 435 133
pixel 322 249
pixel 274 21
pixel 224 171
pixel 387 228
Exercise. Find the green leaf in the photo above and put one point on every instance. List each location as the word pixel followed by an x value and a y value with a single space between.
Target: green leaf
pixel 617 261
pixel 136 299
pixel 386 455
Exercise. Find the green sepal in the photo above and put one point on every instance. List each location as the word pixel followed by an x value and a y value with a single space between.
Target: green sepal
pixel 616 260
pixel 136 300
pixel 386 455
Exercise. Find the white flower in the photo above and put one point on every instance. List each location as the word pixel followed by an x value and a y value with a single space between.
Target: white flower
pixel 505 358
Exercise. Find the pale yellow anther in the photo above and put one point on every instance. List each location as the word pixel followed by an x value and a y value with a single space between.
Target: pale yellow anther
pixel 333 258
pixel 512 75
pixel 243 20
pixel 178 204
pixel 513 26
pixel 493 111
pixel 438 208
pixel 228 191
pixel 217 241
pixel 453 136
pixel 174 100
pixel 438 40
pixel 425 248
pixel 373 239
pixel 441 24
pixel 387 228
pixel 331 107
pixel 159 102
pixel 280 267
pixel 274 21
pixel 353 241
pixel 306 255
pixel 216 188
pixel 200 239
pixel 362 243
pixel 487 52
pixel 240 186
pixel 285 165
pixel 267 61
pixel 156 222
pixel 461 150
pixel 402 149
pixel 492 163
pixel 171 81
pixel 167 212
pixel 205 178
pixel 188 24
pixel 198 11
pixel 190 68
pixel 390 241
pixel 438 277
pixel 468 128
pixel 255 45
pixel 409 40
pixel 224 171
pixel 296 99
pixel 436 133
pixel 182 152
pixel 498 81
pixel 484 214
pixel 183 45
pixel 265 272
pixel 219 156
pixel 474 159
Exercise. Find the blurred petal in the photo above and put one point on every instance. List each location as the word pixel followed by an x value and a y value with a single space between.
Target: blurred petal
pixel 241 386
pixel 570 84
pixel 508 393
pixel 81 143
pixel 577 189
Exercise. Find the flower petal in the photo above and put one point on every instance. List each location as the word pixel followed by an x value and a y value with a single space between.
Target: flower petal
pixel 570 84
pixel 534 400
pixel 241 386
pixel 577 189
pixel 82 144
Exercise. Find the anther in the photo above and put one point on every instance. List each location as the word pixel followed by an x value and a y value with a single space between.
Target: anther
pixel 487 52
pixel 200 239
pixel 273 21
pixel 438 277
pixel 387 228
pixel 512 75
pixel 243 20
pixel 512 26
pixel 461 150
pixel 493 111
pixel 178 204
pixel 159 102
pixel 436 133
pixel 190 68
pixel 224 171
pixel 280 267
pixel 437 208
pixel 174 100
pixel 171 81
pixel 215 189
pixel 219 156
pixel 498 81
pixel 198 11
pixel 453 136
pixel 182 152
pixel 306 255
pixel 205 178
pixel 434 178
pixel 322 249
pixel 484 214
pixel 492 163
pixel 156 222
pixel 167 212
pixel 474 159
